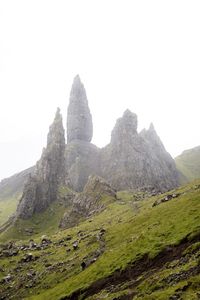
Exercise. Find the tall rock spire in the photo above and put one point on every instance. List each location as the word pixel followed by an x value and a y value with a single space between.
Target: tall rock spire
pixel 41 187
pixel 79 119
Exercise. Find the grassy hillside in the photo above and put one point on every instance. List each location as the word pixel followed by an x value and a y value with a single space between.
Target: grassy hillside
pixel 7 208
pixel 10 192
pixel 188 163
pixel 132 250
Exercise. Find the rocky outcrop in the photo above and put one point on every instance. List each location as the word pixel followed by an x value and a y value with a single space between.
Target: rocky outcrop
pixel 97 194
pixel 42 186
pixel 79 119
pixel 133 160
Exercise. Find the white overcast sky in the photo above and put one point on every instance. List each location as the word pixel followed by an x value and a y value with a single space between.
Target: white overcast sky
pixel 141 55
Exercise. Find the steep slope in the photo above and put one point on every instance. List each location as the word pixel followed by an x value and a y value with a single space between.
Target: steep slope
pixel 189 163
pixel 134 249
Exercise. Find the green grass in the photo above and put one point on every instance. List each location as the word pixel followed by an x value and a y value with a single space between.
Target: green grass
pixel 132 229
pixel 40 224
pixel 189 163
pixel 7 208
pixel 130 236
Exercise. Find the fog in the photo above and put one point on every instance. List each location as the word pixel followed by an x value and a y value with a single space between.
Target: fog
pixel 141 55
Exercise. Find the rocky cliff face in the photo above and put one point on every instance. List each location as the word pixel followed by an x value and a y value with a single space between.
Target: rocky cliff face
pixel 165 173
pixel 133 160
pixel 41 187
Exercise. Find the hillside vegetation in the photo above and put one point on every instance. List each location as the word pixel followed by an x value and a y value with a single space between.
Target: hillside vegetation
pixel 10 192
pixel 137 248
pixel 188 163
pixel 7 208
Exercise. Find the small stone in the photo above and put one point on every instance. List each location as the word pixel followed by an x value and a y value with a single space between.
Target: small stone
pixel 75 245
pixel 83 265
pixel 7 278
pixel 28 257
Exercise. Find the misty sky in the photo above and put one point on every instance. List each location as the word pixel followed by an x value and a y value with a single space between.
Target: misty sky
pixel 141 55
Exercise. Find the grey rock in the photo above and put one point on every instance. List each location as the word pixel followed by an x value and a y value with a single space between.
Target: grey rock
pixel 164 171
pixel 79 119
pixel 130 161
pixel 97 194
pixel 28 257
pixel 82 159
pixel 134 161
pixel 7 278
pixel 42 187
pixel 166 199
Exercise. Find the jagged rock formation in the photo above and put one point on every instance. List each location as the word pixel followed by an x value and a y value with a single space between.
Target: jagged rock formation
pixel 79 119
pixel 41 187
pixel 82 157
pixel 165 174
pixel 96 195
pixel 133 160
pixel 130 161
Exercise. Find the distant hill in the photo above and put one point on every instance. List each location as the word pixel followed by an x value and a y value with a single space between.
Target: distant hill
pixel 188 163
pixel 13 186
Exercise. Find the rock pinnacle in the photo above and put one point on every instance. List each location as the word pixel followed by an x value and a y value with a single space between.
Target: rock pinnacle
pixel 79 119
